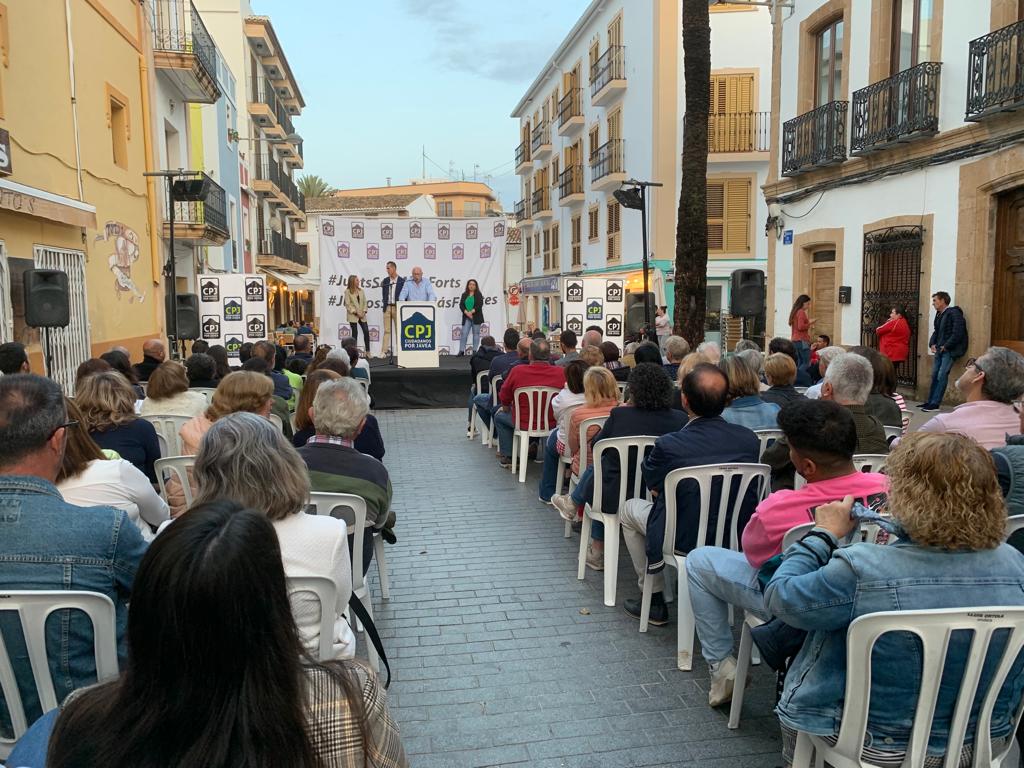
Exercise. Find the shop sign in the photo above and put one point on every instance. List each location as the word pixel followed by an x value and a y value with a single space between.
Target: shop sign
pixel 6 168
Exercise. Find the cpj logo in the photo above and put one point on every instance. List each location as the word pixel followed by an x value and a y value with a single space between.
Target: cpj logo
pixel 372 251
pixel 444 232
pixel 387 232
pixel 613 291
pixel 209 289
pixel 415 230
pixel 374 333
pixel 595 309
pixel 343 250
pixel 485 250
pixel 574 323
pixel 357 231
pixel 255 327
pixel 417 333
pixel 613 326
pixel 328 227
pixel 499 229
pixel 254 289
pixel 574 291
pixel 456 332
pixel 211 327
pixel 233 308
pixel 401 251
pixel 457 251
pixel 344 331
pixel 429 251
pixel 471 232
pixel 233 344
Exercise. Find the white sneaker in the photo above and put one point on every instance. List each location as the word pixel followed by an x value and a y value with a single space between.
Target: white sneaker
pixel 723 676
pixel 595 559
pixel 565 506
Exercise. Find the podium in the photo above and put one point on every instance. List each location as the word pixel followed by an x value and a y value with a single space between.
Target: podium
pixel 417 335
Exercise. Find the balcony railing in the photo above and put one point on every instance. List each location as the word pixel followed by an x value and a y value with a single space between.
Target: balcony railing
pixel 995 72
pixel 541 199
pixel 275 244
pixel 607 159
pixel 541 136
pixel 261 91
pixel 739 132
pixel 267 169
pixel 610 66
pixel 209 213
pixel 522 210
pixel 815 139
pixel 896 109
pixel 570 182
pixel 178 28
pixel 522 154
pixel 570 106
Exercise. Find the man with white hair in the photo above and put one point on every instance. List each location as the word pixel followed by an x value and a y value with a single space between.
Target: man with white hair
pixel 339 412
pixel 825 356
pixel 592 338
pixel 848 382
pixel 675 348
pixel 710 350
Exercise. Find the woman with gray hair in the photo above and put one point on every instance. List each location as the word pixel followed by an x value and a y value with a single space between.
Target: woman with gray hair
pixel 245 458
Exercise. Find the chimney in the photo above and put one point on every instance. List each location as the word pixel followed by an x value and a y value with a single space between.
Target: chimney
pixel 389 181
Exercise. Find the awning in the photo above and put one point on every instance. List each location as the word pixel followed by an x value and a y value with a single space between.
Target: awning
pixel 21 198
pixel 294 282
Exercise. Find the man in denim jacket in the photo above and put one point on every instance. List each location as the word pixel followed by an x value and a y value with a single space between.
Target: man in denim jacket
pixel 48 544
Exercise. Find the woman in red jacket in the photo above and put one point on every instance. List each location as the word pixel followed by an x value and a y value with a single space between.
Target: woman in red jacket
pixel 801 324
pixel 894 336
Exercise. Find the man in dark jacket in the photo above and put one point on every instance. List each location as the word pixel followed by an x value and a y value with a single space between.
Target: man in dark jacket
pixel 153 353
pixel 706 439
pixel 479 363
pixel 948 343
pixel 390 290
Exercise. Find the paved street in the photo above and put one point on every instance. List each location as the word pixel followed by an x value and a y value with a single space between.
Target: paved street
pixel 501 657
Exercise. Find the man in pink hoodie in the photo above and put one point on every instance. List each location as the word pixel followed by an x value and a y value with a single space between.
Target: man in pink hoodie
pixel 822 439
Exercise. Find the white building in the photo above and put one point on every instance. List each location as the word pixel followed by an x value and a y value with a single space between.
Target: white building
pixel 898 169
pixel 608 106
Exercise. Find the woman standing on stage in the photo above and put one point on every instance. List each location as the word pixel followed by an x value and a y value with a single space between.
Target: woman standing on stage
pixel 472 306
pixel 355 306
pixel 801 325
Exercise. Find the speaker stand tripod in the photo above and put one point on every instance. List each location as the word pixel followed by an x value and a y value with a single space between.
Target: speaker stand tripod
pixel 49 352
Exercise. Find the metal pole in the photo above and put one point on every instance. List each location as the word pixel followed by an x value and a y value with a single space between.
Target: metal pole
pixel 172 290
pixel 643 225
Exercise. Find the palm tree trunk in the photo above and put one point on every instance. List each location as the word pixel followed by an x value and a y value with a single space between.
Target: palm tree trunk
pixel 691 227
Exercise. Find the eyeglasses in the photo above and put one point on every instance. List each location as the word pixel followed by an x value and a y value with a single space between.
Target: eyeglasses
pixel 973 362
pixel 65 425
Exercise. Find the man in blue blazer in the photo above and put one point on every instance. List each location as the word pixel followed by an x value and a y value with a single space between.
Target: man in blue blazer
pixel 391 289
pixel 707 438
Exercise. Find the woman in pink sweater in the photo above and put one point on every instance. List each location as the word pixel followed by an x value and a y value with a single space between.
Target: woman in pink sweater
pixel 601 394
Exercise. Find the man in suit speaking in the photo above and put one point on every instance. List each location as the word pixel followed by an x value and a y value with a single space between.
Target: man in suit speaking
pixel 391 289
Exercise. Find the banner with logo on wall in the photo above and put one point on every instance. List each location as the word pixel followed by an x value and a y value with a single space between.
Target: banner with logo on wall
pixel 232 310
pixel 449 251
pixel 589 301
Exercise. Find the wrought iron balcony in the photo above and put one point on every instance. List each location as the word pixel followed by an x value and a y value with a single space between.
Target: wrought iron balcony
pixel 184 50
pixel 267 109
pixel 541 202
pixel 523 210
pixel 267 170
pixel 275 247
pixel 540 141
pixel 202 222
pixel 570 184
pixel 899 108
pixel 523 158
pixel 815 139
pixel 739 132
pixel 607 161
pixel 608 74
pixel 995 72
pixel 570 111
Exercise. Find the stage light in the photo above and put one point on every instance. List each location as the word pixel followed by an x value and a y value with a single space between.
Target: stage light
pixel 629 197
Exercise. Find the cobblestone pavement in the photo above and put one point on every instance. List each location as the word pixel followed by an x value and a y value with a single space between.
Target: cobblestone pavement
pixel 501 657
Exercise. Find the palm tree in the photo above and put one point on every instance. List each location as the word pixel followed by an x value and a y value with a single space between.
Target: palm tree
pixel 691 226
pixel 314 186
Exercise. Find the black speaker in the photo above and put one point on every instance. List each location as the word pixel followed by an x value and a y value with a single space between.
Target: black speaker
pixel 47 299
pixel 746 298
pixel 188 315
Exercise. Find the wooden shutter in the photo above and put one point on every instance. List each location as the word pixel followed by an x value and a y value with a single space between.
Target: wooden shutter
pixel 614 242
pixel 593 223
pixel 737 215
pixel 615 125
pixel 716 216
pixel 615 31
pixel 555 234
pixel 595 137
pixel 732 104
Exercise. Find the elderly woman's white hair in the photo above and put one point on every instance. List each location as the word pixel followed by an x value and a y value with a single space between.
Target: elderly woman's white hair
pixel 340 408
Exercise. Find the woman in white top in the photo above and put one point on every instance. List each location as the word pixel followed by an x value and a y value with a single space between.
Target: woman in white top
pixel 167 393
pixel 569 398
pixel 89 479
pixel 245 458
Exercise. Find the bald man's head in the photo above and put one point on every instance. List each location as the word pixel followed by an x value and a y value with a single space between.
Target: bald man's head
pixel 523 347
pixel 592 339
pixel 154 348
pixel 705 390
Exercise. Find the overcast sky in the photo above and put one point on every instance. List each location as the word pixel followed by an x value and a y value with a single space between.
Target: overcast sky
pixel 383 78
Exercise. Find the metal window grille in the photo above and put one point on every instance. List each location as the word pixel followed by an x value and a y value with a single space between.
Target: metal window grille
pixel 68 346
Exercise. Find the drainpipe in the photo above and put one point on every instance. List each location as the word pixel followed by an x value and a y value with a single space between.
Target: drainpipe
pixel 74 99
pixel 155 247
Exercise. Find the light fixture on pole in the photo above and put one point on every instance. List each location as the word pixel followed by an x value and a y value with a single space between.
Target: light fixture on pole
pixel 633 195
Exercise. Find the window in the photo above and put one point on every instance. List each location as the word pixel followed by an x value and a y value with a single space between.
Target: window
pixel 444 208
pixel 117 121
pixel 536 244
pixel 732 94
pixel 555 234
pixel 828 70
pixel 576 227
pixel 615 125
pixel 911 33
pixel 595 54
pixel 555 167
pixel 729 202
pixel 471 208
pixel 614 234
pixel 595 140
pixel 529 254
pixel 547 249
pixel 593 223
pixel 615 31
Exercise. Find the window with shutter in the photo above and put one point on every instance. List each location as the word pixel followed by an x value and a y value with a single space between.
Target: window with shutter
pixel 716 216
pixel 595 138
pixel 731 124
pixel 576 232
pixel 614 243
pixel 729 207
pixel 593 223
pixel 555 234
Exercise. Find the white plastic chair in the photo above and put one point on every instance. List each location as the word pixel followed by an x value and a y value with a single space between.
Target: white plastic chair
pixel 487 436
pixel 539 422
pixel 337 505
pixel 639 446
pixel 870 462
pixel 326 592
pixel 891 432
pixel 382 565
pixel 564 463
pixel 622 389
pixel 480 379
pixel 167 428
pixel 584 429
pixel 934 629
pixel 801 390
pixel 729 505
pixel 1013 524
pixel 206 392
pixel 766 437
pixel 176 466
pixel 33 608
pixel 274 419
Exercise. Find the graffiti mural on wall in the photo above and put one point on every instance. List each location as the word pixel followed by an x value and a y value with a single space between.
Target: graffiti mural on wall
pixel 124 242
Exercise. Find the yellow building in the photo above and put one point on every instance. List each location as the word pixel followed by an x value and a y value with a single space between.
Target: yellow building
pixel 74 120
pixel 451 198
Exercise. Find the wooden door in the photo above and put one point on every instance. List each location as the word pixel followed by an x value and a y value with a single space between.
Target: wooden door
pixel 731 120
pixel 1008 288
pixel 823 298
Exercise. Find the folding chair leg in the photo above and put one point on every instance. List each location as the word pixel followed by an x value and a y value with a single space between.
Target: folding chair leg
pixel 515 451
pixel 581 560
pixel 645 602
pixel 611 562
pixel 524 457
pixel 568 529
pixel 742 667
pixel 687 624
pixel 382 567
pixel 559 476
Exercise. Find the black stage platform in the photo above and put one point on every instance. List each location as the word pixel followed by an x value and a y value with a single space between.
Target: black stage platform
pixel 444 387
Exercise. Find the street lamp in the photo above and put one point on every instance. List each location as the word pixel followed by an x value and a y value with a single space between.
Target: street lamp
pixel 633 195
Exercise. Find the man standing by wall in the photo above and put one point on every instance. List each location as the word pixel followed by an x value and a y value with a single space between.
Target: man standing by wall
pixel 391 289
pixel 948 343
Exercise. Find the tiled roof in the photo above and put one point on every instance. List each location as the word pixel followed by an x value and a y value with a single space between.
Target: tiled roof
pixel 514 236
pixel 361 203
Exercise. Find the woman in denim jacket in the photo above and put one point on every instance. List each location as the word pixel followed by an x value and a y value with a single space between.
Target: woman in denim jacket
pixel 945 496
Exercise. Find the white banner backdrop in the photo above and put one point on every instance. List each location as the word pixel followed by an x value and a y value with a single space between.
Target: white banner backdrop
pixel 449 251
pixel 232 310
pixel 596 301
